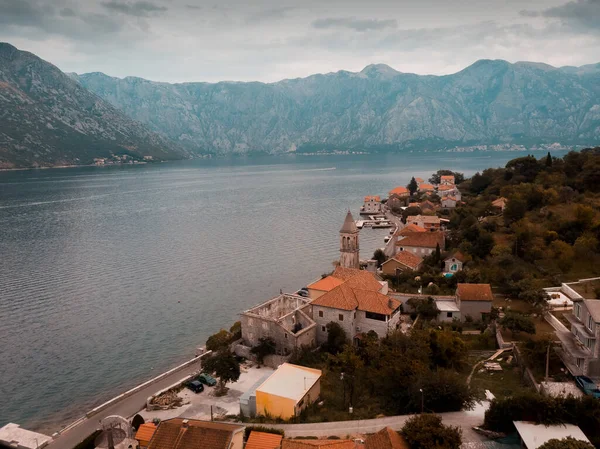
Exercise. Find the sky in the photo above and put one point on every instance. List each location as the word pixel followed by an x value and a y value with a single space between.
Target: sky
pixel 270 40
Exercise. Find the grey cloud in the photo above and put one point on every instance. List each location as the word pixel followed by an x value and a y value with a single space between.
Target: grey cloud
pixel 138 9
pixel 193 7
pixel 354 23
pixel 582 14
pixel 20 12
pixel 270 14
pixel 67 12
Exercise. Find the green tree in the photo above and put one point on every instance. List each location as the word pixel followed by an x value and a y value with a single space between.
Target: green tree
pixel 548 160
pixel 566 443
pixel 443 391
pixel 427 432
pixel 224 366
pixel 425 307
pixel 236 330
pixel 219 340
pixel 515 208
pixel 266 346
pixel 517 322
pixel 412 186
pixel 379 256
pixel 336 338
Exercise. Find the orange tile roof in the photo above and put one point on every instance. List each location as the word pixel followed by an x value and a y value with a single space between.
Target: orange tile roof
pixel 408 259
pixel 345 273
pixel 425 187
pixel 445 187
pixel 372 197
pixel 428 204
pixel 399 191
pixel 386 438
pixel 145 431
pixel 432 219
pixel 365 281
pixel 263 440
pixel 345 297
pixel 172 434
pixel 474 292
pixel 311 444
pixel 500 202
pixel 410 228
pixel 326 284
pixel 457 255
pixel 419 180
pixel 450 198
pixel 423 240
pixel 447 177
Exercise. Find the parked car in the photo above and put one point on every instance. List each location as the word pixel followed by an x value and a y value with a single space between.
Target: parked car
pixel 207 379
pixel 196 386
pixel 588 386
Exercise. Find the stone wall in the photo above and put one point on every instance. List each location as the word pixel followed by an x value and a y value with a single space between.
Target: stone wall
pixel 330 315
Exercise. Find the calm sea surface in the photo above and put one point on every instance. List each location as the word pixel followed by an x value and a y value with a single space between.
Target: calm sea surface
pixel 109 276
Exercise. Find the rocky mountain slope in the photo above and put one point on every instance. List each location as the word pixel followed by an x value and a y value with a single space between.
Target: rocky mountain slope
pixel 377 108
pixel 47 118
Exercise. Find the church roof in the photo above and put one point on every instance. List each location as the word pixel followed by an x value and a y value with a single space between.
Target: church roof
pixel 349 226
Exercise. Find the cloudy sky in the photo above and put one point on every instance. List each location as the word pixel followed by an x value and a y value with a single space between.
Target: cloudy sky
pixel 268 40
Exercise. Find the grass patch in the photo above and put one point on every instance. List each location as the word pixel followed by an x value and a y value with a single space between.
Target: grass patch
pixel 516 305
pixel 503 383
pixel 542 330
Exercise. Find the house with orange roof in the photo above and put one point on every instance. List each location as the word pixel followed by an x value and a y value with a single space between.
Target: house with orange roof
pixel 429 222
pixel 341 275
pixel 500 203
pixel 421 244
pixel 386 438
pixel 447 180
pixel 144 434
pixel 427 206
pixel 454 262
pixel 449 190
pixel 424 188
pixel 263 440
pixel 474 300
pixel 449 202
pixel 419 181
pixel 400 191
pixel 371 205
pixel 323 286
pixel 358 307
pixel 179 433
pixel 402 261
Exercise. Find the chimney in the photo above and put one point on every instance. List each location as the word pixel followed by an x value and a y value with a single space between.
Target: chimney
pixel 185 424
pixel 372 266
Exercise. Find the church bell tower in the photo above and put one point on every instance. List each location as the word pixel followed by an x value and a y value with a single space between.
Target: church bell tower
pixel 349 243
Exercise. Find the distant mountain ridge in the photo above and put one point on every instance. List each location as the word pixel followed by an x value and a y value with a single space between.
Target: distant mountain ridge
pixel 491 101
pixel 48 119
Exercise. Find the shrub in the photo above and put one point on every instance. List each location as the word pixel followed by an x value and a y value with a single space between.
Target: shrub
pixel 566 443
pixel 427 432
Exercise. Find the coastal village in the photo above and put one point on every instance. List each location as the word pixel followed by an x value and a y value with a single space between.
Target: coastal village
pixel 277 398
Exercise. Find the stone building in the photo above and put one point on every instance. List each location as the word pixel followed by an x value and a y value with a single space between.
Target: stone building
pixel 402 261
pixel 285 318
pixel 454 262
pixel 372 205
pixel 349 250
pixel 428 222
pixel 447 180
pixel 580 349
pixel 474 300
pixel 421 244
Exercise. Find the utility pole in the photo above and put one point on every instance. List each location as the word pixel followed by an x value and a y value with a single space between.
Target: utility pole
pixel 548 361
pixel 422 400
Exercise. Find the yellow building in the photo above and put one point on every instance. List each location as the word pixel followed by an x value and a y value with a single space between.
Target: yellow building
pixel 289 390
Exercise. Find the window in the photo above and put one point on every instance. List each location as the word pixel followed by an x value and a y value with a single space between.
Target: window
pixel 265 326
pixel 285 335
pixel 320 313
pixel 590 322
pixel 579 362
pixel 578 310
pixel 341 317
pixel 454 267
pixel 375 316
pixel 449 314
pixel 323 328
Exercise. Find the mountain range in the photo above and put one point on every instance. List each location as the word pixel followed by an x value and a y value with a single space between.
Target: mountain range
pixel 378 109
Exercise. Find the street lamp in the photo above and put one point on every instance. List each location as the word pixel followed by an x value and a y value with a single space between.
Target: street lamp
pixel 422 400
pixel 344 383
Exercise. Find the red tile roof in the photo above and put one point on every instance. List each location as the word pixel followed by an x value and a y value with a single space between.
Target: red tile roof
pixel 408 259
pixel 400 191
pixel 326 284
pixel 178 433
pixel 345 297
pixel 431 219
pixel 409 229
pixel 426 187
pixel 263 440
pixel 423 240
pixel 145 432
pixel 457 255
pixel 372 197
pixel 447 178
pixel 419 180
pixel 312 444
pixel 474 292
pixel 386 438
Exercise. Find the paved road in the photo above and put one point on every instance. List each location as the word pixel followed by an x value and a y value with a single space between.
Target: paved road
pixel 466 420
pixel 126 408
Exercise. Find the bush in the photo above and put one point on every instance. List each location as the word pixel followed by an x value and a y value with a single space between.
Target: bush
pixel 219 340
pixel 427 432
pixel 265 347
pixel 566 443
pixel 336 338
pixel 517 322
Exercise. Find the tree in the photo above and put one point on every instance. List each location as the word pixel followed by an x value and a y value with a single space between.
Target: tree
pixel 548 160
pixel 379 256
pixel 236 330
pixel 426 431
pixel 219 340
pixel 424 307
pixel 412 186
pixel 566 443
pixel 336 338
pixel 517 322
pixel 224 366
pixel 266 346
